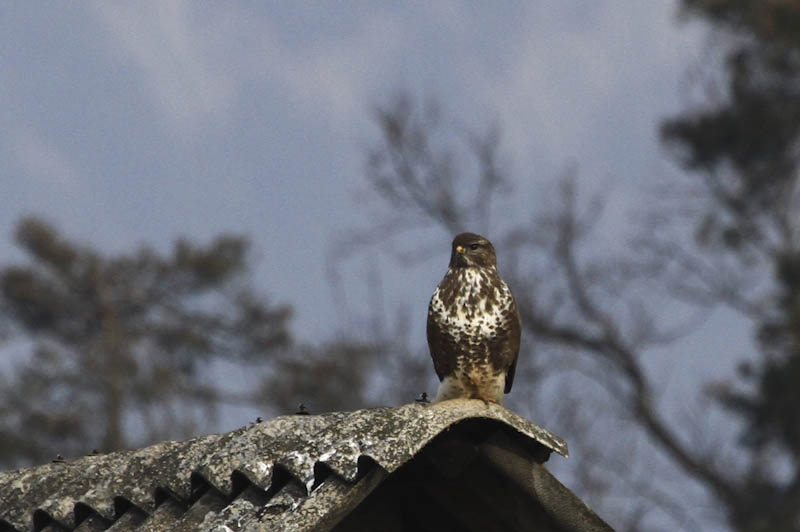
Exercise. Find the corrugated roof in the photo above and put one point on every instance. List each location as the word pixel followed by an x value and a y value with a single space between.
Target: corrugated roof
pixel 291 471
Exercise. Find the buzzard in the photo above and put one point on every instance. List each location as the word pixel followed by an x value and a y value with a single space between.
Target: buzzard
pixel 473 325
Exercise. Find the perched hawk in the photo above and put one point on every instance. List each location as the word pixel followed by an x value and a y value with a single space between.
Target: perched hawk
pixel 473 325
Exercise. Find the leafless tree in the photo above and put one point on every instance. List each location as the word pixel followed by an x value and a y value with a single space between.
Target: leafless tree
pixel 593 312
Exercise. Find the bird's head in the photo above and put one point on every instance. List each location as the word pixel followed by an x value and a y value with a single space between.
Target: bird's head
pixel 471 250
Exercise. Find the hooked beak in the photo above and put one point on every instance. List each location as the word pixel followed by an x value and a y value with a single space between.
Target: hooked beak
pixel 460 249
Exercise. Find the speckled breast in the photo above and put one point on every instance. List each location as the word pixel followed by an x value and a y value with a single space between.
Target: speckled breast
pixel 472 306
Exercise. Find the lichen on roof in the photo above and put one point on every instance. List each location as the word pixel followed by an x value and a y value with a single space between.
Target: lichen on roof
pixel 303 449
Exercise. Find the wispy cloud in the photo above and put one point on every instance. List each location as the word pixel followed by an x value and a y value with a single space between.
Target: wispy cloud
pixel 577 80
pixel 194 61
pixel 175 54
pixel 40 159
pixel 333 74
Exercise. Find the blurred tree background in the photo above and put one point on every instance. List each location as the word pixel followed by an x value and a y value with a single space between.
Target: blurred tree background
pixel 135 338
pixel 125 338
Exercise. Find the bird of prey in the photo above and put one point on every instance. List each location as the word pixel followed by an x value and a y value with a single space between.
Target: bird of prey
pixel 473 325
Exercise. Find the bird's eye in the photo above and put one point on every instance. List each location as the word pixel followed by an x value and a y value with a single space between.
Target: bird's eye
pixel 473 247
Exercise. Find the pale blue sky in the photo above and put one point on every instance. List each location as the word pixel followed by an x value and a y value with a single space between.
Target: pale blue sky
pixel 138 122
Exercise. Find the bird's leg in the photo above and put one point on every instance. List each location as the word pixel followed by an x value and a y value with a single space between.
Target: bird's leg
pixel 486 400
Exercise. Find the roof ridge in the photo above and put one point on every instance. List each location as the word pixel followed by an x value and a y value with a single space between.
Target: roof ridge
pixel 266 456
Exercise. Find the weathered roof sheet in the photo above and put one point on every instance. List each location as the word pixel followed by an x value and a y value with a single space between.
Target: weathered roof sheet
pixel 281 467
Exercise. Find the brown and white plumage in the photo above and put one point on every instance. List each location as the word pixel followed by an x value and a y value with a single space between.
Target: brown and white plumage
pixel 473 325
